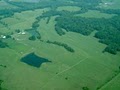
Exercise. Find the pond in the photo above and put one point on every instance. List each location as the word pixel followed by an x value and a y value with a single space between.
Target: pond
pixel 34 60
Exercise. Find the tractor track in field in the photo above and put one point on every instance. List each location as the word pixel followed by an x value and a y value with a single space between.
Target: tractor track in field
pixel 64 71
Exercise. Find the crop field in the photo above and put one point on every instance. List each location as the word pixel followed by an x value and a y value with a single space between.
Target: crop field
pixel 84 68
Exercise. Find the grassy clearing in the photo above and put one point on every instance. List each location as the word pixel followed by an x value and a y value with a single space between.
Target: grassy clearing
pixel 21 21
pixel 110 4
pixel 68 8
pixel 95 14
pixel 4 5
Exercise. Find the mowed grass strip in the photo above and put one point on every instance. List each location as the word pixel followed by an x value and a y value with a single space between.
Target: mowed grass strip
pixel 68 8
pixel 95 14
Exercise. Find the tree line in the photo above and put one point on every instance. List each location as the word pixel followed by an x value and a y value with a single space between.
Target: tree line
pixel 68 48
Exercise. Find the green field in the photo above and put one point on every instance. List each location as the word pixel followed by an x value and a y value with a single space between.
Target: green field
pixel 68 8
pixel 95 14
pixel 110 4
pixel 113 85
pixel 87 67
pixel 4 5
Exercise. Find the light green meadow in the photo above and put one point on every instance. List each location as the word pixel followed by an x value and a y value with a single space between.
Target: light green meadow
pixel 68 8
pixel 110 4
pixel 95 14
pixel 4 5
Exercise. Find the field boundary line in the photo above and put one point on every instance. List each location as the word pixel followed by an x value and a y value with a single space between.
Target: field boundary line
pixel 64 71
pixel 106 83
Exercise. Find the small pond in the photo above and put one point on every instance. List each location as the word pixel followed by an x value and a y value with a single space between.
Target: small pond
pixel 34 60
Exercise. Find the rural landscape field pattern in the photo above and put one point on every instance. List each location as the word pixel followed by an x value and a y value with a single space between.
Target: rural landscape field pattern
pixel 59 44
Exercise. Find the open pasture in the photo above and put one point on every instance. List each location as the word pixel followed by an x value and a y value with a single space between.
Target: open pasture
pixel 87 67
pixel 95 14
pixel 110 4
